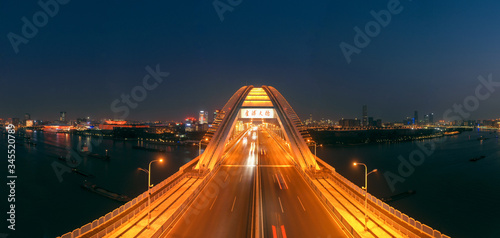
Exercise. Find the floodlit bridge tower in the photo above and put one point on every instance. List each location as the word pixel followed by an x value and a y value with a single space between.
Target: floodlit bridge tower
pixel 251 105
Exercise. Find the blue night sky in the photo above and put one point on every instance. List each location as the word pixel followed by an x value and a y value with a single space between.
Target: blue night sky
pixel 89 53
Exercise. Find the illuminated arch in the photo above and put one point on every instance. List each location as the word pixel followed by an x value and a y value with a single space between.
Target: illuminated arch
pixel 254 97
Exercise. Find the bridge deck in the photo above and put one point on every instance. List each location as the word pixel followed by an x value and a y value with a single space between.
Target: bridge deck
pixel 353 211
pixel 161 210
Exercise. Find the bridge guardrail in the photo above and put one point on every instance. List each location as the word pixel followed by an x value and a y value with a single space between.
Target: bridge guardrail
pixel 207 177
pixel 376 206
pixel 168 224
pixel 327 203
pixel 125 210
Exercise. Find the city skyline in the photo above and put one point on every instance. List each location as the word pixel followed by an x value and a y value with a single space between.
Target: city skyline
pixel 84 66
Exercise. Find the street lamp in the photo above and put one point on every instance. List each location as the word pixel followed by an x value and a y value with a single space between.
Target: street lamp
pixel 199 149
pixel 314 147
pixel 149 186
pixel 366 189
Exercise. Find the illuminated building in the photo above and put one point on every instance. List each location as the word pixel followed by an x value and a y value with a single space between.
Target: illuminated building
pixel 203 117
pixel 112 124
pixel 57 127
pixel 190 124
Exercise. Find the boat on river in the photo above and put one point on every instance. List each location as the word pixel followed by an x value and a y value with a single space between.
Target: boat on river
pixel 104 192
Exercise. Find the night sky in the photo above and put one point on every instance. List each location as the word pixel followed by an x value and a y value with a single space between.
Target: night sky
pixel 427 57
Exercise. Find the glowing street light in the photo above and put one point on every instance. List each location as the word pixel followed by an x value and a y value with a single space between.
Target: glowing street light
pixel 149 186
pixel 314 147
pixel 199 149
pixel 366 189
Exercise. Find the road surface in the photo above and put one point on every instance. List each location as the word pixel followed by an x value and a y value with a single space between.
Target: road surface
pixel 225 207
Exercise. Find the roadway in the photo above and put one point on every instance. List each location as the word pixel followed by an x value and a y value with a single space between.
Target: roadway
pixel 225 208
pixel 291 208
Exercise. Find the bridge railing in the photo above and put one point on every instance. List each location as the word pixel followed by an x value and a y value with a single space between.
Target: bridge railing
pixel 128 210
pixel 382 210
pixel 168 224
pixel 349 228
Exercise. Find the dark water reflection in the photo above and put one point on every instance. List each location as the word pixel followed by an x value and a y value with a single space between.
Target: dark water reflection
pixel 47 207
pixel 454 195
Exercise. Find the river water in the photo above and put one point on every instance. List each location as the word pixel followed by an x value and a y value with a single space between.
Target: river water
pixel 48 207
pixel 453 195
pixel 458 197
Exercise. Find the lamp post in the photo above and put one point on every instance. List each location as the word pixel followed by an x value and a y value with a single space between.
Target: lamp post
pixel 314 146
pixel 366 190
pixel 149 186
pixel 199 149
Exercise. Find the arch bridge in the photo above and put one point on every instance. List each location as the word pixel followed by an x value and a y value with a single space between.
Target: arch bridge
pixel 257 106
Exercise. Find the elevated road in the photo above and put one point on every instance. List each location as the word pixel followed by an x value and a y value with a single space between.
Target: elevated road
pixel 226 207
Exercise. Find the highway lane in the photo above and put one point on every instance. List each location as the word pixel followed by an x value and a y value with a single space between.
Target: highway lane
pixel 291 209
pixel 224 208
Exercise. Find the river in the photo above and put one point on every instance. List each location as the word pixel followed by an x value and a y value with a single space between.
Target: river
pixel 453 195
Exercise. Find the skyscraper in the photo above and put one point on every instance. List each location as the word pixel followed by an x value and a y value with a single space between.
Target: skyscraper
pixel 365 116
pixel 415 117
pixel 62 117
pixel 203 117
pixel 431 118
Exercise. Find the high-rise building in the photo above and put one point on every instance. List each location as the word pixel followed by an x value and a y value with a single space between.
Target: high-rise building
pixel 346 123
pixel 365 116
pixel 310 117
pixel 189 124
pixel 415 117
pixel 203 117
pixel 431 118
pixel 27 116
pixel 62 117
pixel 426 119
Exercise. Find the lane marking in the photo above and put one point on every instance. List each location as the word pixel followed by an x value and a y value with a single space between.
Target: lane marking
pixel 276 166
pixel 284 181
pixel 301 204
pixel 281 205
pixel 241 177
pixel 274 232
pixel 226 177
pixel 233 204
pixel 279 183
pixel 213 202
pixel 283 231
pixel 238 165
